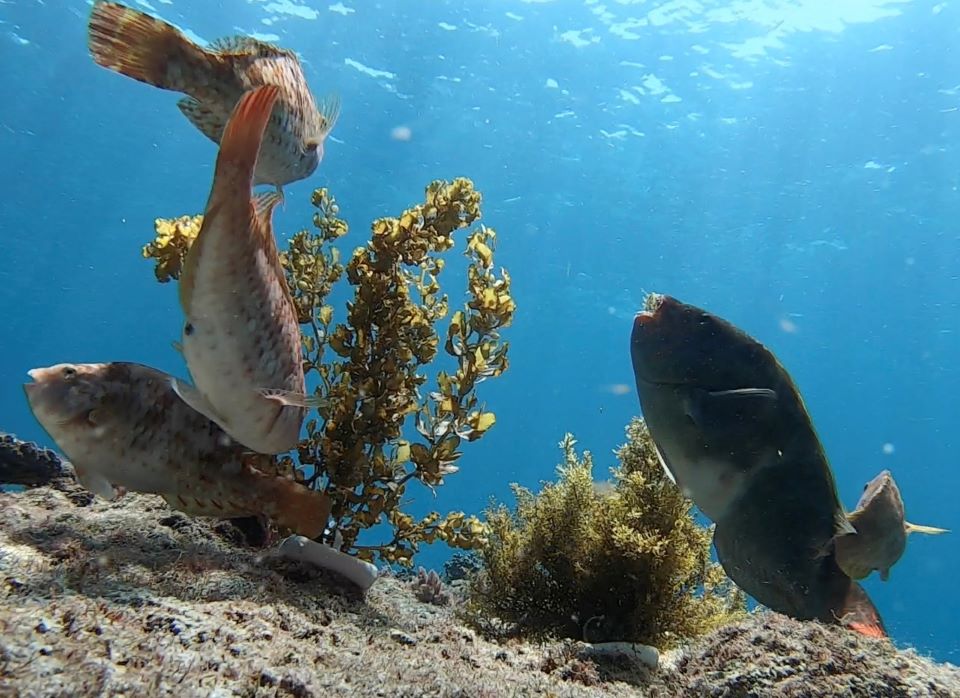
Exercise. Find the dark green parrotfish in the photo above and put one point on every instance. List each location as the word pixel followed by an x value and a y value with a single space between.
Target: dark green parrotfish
pixel 732 431
pixel 882 530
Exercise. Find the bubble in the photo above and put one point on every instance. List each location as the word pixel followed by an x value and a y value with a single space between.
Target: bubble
pixel 788 325
pixel 401 133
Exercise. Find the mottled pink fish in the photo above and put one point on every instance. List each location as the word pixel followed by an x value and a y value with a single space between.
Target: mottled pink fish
pixel 151 51
pixel 881 530
pixel 123 428
pixel 241 339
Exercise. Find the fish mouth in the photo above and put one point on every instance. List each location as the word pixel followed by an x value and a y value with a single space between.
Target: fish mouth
pixel 651 309
pixel 646 322
pixel 31 388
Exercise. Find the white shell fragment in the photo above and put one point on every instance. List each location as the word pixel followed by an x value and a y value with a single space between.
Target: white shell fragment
pixel 361 573
pixel 641 654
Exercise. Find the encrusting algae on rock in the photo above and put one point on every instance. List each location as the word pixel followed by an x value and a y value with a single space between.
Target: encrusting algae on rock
pixel 626 563
pixel 355 448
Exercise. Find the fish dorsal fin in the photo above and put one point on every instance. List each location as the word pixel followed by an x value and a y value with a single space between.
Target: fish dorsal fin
pixel 917 528
pixel 329 108
pixel 207 122
pixel 247 46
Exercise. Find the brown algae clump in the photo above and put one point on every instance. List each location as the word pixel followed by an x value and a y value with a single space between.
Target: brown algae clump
pixel 372 378
pixel 621 562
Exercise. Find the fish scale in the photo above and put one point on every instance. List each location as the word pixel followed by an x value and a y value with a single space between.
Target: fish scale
pixel 123 427
pixel 152 51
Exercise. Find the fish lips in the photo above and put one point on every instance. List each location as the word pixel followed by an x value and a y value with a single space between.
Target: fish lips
pixel 654 343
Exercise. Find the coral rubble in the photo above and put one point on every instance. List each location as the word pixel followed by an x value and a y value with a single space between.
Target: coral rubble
pixel 28 464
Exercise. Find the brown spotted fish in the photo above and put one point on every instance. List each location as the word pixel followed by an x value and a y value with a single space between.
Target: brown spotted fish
pixel 241 339
pixel 882 530
pixel 124 429
pixel 732 431
pixel 149 50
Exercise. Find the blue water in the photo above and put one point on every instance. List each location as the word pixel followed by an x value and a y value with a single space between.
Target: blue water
pixel 790 166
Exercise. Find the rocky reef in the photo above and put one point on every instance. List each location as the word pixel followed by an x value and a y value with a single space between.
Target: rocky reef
pixel 130 598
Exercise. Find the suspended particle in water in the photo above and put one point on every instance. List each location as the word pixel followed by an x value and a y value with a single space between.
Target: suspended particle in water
pixel 888 449
pixel 401 133
pixel 788 325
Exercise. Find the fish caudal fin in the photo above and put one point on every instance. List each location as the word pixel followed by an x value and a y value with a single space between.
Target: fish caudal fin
pixel 243 134
pixel 143 47
pixel 929 530
pixel 859 614
pixel 297 507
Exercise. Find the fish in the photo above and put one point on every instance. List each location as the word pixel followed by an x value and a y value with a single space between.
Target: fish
pixel 881 530
pixel 124 429
pixel 213 79
pixel 241 338
pixel 731 430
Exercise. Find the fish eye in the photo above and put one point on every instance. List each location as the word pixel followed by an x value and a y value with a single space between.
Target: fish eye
pixel 69 372
pixel 188 329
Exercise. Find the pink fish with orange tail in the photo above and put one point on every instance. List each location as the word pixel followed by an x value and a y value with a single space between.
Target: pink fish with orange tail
pixel 123 428
pixel 241 339
pixel 152 51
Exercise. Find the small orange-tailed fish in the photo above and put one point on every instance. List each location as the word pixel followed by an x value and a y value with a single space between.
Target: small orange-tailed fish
pixel 124 429
pixel 241 338
pixel 152 51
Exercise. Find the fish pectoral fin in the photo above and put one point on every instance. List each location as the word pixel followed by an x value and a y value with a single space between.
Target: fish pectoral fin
pixel 195 399
pixel 723 408
pixel 206 120
pixel 265 202
pixel 764 393
pixel 329 108
pixel 917 528
pixel 289 398
pixel 885 574
pixel 97 483
pixel 177 347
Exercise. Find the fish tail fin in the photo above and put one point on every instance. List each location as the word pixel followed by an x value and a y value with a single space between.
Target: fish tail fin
pixel 929 530
pixel 859 614
pixel 143 47
pixel 297 507
pixel 240 143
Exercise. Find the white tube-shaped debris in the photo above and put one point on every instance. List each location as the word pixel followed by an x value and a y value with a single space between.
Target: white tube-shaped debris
pixel 301 548
pixel 641 654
